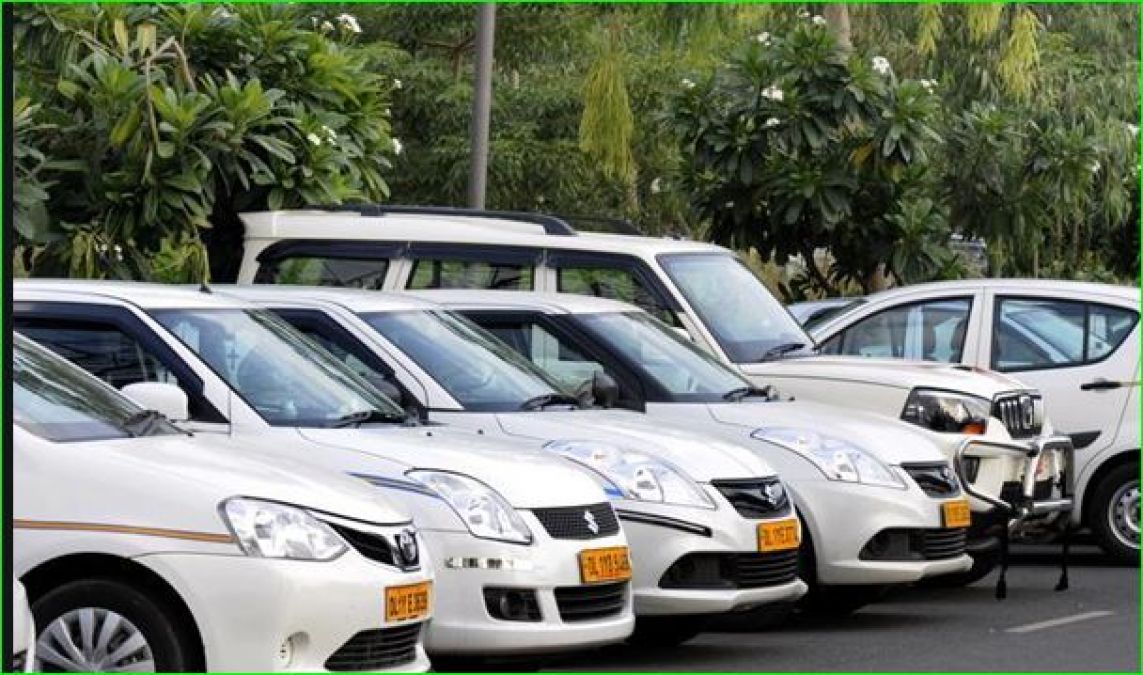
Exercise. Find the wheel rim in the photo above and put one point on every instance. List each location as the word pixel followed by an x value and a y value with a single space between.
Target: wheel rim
pixel 93 639
pixel 1123 514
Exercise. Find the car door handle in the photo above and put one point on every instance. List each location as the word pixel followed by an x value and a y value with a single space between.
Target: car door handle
pixel 1103 385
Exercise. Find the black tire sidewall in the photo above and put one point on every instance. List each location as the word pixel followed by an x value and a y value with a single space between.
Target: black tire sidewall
pixel 1098 513
pixel 138 607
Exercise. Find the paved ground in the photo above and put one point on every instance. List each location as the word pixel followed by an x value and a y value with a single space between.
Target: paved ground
pixel 1094 626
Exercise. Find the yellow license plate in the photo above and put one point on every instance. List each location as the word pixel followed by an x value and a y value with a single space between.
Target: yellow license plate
pixel 604 564
pixel 408 602
pixel 779 535
pixel 956 513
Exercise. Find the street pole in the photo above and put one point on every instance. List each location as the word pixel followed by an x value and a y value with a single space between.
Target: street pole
pixel 481 104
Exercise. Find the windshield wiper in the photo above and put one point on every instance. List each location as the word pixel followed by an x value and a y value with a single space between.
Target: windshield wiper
pixel 359 417
pixel 146 423
pixel 780 350
pixel 735 395
pixel 544 400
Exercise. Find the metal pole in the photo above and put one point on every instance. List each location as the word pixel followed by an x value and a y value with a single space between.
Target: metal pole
pixel 481 104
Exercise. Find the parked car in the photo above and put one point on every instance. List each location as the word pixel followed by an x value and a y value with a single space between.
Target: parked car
pixel 515 575
pixel 1077 343
pixel 23 631
pixel 703 291
pixel 814 312
pixel 714 534
pixel 143 548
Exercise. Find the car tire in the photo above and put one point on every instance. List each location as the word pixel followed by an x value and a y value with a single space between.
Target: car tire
pixel 983 562
pixel 133 616
pixel 655 631
pixel 1110 514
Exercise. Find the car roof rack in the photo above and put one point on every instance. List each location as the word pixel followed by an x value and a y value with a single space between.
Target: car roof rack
pixel 602 224
pixel 552 224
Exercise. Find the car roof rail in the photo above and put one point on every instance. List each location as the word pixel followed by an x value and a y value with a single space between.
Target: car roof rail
pixel 552 224
pixel 603 224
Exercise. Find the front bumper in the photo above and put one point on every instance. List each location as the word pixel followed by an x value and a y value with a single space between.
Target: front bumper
pixel 662 535
pixel 247 608
pixel 462 624
pixel 1025 506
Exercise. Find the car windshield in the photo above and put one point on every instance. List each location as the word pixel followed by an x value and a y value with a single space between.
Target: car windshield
pixel 288 379
pixel 678 366
pixel 58 401
pixel 747 321
pixel 475 368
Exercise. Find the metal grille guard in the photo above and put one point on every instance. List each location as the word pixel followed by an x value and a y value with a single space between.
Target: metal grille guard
pixel 1030 452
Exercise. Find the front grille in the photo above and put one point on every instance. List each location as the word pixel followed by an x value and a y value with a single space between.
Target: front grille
pixel 941 544
pixel 377 649
pixel 575 522
pixel 1013 491
pixel 731 570
pixel 1021 414
pixel 586 603
pixel 755 497
pixel 936 480
pixel 378 547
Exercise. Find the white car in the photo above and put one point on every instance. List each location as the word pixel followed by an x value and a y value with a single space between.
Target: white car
pixel 702 290
pixel 714 499
pixel 23 631
pixel 145 549
pixel 515 576
pixel 395 337
pixel 1077 343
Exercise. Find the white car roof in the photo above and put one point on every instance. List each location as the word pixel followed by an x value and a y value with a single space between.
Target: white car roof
pixel 1109 292
pixel 552 303
pixel 354 299
pixel 142 294
pixel 451 228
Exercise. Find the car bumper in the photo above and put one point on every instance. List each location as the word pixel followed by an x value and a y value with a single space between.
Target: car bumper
pixel 1029 503
pixel 844 517
pixel 462 624
pixel 661 535
pixel 247 609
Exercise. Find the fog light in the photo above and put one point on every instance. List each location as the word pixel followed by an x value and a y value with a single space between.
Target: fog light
pixel 512 604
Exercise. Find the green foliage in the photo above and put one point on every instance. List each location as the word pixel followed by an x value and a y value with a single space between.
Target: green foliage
pixel 162 121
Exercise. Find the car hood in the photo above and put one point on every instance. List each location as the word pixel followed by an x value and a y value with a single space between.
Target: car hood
pixel 892 441
pixel 523 475
pixel 701 456
pixel 895 373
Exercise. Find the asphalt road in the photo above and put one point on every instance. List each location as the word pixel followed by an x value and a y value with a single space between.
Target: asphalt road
pixel 1094 626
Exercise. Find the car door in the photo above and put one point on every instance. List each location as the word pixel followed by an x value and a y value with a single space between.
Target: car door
pixel 1083 356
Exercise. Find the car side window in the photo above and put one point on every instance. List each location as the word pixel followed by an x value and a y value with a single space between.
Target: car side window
pixel 925 331
pixel 445 273
pixel 540 346
pixel 613 283
pixel 321 271
pixel 101 349
pixel 1037 334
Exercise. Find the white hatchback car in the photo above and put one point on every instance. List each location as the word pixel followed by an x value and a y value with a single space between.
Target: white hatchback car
pixel 514 573
pixel 1077 343
pixel 145 549
pixel 718 499
pixel 702 290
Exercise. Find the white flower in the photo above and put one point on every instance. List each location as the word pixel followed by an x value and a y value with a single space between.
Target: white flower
pixel 397 83
pixel 803 14
pixel 656 186
pixel 687 84
pixel 1095 167
pixel 330 134
pixel 771 123
pixel 313 138
pixel 928 85
pixel 349 22
pixel 102 248
pixel 326 27
pixel 397 146
pixel 881 65
pixel 118 252
pixel 773 93
pixel 762 38
pixel 388 112
pixel 819 20
pixel 1133 129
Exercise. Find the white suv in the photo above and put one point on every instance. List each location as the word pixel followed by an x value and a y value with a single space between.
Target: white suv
pixel 513 579
pixel 715 534
pixel 1078 343
pixel 143 548
pixel 704 291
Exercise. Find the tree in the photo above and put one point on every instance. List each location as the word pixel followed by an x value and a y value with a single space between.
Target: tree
pixel 158 123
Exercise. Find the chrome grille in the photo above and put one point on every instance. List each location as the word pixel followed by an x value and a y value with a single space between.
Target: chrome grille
pixel 755 497
pixel 1021 413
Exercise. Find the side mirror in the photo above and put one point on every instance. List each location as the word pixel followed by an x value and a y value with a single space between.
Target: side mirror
pixel 163 397
pixel 604 389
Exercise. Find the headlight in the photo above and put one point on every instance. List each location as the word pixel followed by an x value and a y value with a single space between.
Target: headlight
pixel 485 513
pixel 838 459
pixel 947 411
pixel 272 530
pixel 633 474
